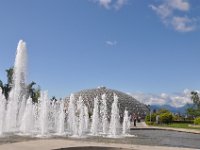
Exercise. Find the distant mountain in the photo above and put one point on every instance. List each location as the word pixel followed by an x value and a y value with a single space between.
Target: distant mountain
pixel 181 110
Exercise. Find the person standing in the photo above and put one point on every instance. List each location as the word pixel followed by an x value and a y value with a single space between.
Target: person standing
pixel 134 120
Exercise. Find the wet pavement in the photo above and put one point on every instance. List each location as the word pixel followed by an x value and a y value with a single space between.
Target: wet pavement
pixel 143 137
pixel 153 138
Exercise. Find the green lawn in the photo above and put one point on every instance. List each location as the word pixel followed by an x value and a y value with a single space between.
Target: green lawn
pixel 179 125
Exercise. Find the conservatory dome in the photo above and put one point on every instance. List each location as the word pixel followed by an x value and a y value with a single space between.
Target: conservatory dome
pixel 125 101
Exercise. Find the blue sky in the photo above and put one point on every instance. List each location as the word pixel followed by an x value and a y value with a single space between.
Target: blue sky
pixel 130 45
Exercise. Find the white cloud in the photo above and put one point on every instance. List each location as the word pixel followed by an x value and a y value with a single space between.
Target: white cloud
pixel 108 4
pixel 183 24
pixel 162 10
pixel 105 3
pixel 120 3
pixel 182 5
pixel 175 100
pixel 167 12
pixel 111 43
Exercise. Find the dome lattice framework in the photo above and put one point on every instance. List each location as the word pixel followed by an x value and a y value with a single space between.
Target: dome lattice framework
pixel 124 101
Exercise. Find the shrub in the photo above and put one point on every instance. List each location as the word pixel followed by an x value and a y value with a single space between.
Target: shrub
pixel 197 121
pixel 177 118
pixel 166 118
pixel 153 118
pixel 150 123
pixel 182 121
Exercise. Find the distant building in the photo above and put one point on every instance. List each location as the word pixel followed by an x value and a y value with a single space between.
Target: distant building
pixel 124 101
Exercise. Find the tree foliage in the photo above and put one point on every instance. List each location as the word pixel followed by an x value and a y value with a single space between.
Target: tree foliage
pixel 32 90
pixel 195 109
pixel 7 87
pixel 193 112
pixel 197 121
pixel 165 116
pixel 195 98
pixel 9 73
pixel 1 85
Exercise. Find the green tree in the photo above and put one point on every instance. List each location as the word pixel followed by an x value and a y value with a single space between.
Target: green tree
pixel 195 109
pixel 33 92
pixel 193 112
pixel 166 117
pixel 197 121
pixel 53 98
pixel 1 84
pixel 9 73
pixel 195 98
pixel 7 87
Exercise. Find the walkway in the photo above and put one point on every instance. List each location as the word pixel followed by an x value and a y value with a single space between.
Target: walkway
pixel 50 144
pixel 143 126
pixel 56 144
pixel 139 125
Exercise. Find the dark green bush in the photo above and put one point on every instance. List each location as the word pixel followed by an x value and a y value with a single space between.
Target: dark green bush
pixel 197 121
pixel 150 123
pixel 153 117
pixel 166 118
pixel 182 121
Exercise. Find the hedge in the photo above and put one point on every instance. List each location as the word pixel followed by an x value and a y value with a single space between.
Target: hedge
pixel 166 117
pixel 197 121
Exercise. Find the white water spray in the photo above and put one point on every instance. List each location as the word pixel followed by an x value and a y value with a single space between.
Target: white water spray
pixel 126 123
pixel 72 120
pixel 43 116
pixel 18 90
pixel 2 111
pixel 114 122
pixel 105 115
pixel 81 117
pixel 86 118
pixel 27 122
pixel 61 119
pixel 95 117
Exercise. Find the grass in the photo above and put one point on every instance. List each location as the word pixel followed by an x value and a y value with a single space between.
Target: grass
pixel 179 125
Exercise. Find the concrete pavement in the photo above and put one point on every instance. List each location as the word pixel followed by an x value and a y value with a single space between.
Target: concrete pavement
pixel 57 144
pixel 50 144
pixel 143 126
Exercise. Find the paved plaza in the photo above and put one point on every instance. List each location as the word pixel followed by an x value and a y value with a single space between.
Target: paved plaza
pixel 58 144
pixel 146 138
pixel 143 126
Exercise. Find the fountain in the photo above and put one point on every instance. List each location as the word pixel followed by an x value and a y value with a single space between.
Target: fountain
pixel 86 118
pixel 43 115
pixel 20 116
pixel 72 119
pixel 61 118
pixel 80 117
pixel 2 111
pixel 95 117
pixel 28 118
pixel 18 91
pixel 105 115
pixel 126 123
pixel 114 122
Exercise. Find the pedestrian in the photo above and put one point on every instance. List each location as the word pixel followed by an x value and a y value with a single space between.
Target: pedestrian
pixel 134 121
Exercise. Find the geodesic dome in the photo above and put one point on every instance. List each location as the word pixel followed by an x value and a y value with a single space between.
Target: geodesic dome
pixel 125 101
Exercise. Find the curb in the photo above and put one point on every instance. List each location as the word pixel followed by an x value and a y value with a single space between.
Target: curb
pixel 167 129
